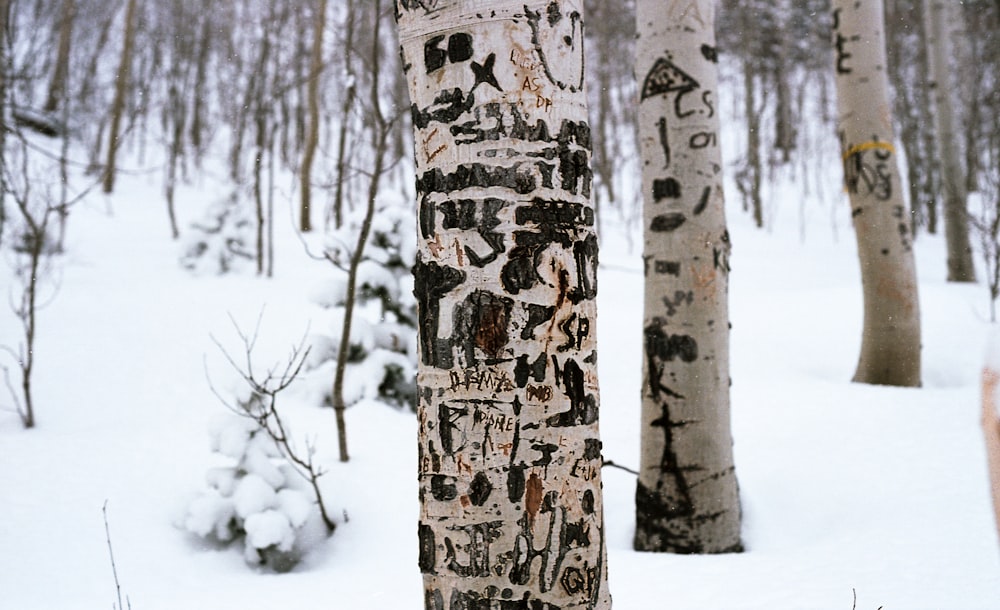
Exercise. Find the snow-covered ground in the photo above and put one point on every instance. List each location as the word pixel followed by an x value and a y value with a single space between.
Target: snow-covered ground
pixel 847 489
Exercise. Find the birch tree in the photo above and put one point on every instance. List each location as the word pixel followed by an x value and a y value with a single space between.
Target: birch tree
pixel 510 457
pixel 939 23
pixel 890 343
pixel 686 498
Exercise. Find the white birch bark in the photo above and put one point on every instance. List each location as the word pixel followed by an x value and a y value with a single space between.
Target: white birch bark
pixel 890 344
pixel 939 24
pixel 510 460
pixel 686 498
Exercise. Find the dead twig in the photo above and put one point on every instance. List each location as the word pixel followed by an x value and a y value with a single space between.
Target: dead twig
pixel 111 554
pixel 262 408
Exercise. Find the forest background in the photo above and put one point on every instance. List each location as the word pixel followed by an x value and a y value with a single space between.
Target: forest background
pixel 156 165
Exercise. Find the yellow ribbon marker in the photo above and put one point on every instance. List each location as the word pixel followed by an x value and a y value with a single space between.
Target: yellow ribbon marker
pixel 868 146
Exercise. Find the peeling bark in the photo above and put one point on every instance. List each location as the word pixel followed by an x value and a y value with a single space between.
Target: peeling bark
pixel 509 464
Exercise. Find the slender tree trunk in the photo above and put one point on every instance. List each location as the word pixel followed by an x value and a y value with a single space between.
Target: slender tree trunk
pixel 270 202
pixel 687 499
pixel 121 91
pixel 890 345
pixel 312 95
pixel 939 19
pixel 261 113
pixel 753 169
pixel 199 91
pixel 345 117
pixel 928 141
pixel 380 133
pixel 4 159
pixel 784 120
pixel 57 87
pixel 510 456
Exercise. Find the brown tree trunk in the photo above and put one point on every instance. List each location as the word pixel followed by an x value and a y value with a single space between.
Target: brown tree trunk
pixel 687 499
pixel 57 87
pixel 199 91
pixel 312 96
pixel 121 91
pixel 753 168
pixel 4 14
pixel 379 133
pixel 510 455
pixel 890 345
pixel 939 20
pixel 345 116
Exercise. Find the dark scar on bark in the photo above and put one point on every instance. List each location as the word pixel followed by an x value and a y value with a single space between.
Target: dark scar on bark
pixel 667 223
pixel 583 406
pixel 431 283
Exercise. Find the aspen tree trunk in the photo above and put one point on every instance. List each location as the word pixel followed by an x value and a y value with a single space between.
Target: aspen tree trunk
pixel 345 115
pixel 57 87
pixel 687 499
pixel 312 96
pixel 931 173
pixel 121 90
pixel 890 344
pixel 753 168
pixel 938 17
pixel 510 456
pixel 200 89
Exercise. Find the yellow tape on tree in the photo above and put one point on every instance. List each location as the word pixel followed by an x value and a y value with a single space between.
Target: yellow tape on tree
pixel 869 146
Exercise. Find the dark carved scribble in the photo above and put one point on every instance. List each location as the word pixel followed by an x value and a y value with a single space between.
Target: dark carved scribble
pixel 666 188
pixel 583 406
pixel 484 73
pixel 703 202
pixel 431 283
pixel 543 37
pixel 867 172
pixel 447 107
pixel 667 223
pixel 661 128
pixel 665 77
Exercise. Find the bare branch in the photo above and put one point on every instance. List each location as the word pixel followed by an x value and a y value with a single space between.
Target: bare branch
pixel 262 408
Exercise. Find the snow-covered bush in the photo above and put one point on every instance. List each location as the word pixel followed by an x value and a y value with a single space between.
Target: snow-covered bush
pixel 381 360
pixel 257 498
pixel 222 241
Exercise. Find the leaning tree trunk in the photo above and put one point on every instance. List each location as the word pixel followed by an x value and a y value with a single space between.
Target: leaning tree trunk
pixel 510 456
pixel 890 344
pixel 938 19
pixel 687 499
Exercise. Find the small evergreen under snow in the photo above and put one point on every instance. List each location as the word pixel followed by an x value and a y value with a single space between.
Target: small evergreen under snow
pixel 382 358
pixel 222 241
pixel 257 498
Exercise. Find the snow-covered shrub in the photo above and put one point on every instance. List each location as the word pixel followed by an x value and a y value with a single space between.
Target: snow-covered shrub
pixel 257 498
pixel 222 241
pixel 381 360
